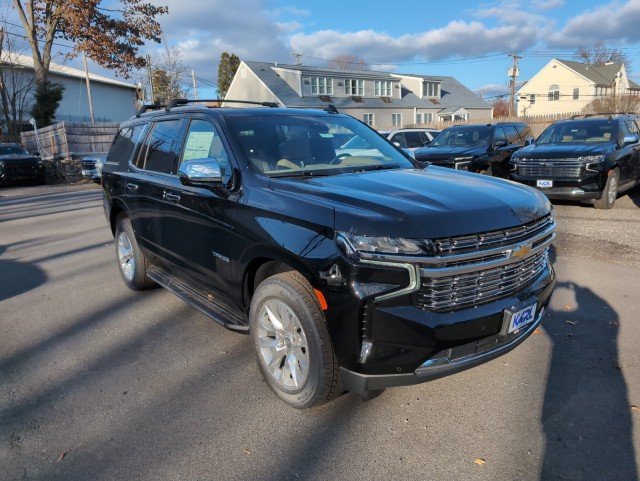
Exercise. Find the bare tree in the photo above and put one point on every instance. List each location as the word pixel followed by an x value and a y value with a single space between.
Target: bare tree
pixel 169 75
pixel 600 54
pixel 500 108
pixel 16 87
pixel 621 103
pixel 348 62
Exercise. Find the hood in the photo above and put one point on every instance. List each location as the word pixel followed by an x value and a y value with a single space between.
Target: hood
pixel 11 158
pixel 435 153
pixel 565 150
pixel 418 203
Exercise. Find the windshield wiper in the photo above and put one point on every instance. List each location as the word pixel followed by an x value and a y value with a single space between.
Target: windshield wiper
pixel 376 167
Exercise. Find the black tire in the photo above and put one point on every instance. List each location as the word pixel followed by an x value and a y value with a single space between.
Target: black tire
pixel 131 261
pixel 610 191
pixel 296 359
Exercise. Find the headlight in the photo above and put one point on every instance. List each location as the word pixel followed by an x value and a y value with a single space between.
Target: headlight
pixel 592 158
pixel 382 245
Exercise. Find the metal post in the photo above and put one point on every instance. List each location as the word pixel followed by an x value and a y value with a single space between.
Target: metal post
pixel 86 73
pixel 195 88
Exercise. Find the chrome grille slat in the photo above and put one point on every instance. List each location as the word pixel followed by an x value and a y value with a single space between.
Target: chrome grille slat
pixel 458 292
pixel 487 240
pixel 568 167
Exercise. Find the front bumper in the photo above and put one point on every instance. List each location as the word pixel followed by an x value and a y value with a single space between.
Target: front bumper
pixel 588 187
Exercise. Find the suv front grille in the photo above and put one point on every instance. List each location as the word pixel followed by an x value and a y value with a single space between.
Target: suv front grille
pixel 569 167
pixel 489 240
pixel 477 287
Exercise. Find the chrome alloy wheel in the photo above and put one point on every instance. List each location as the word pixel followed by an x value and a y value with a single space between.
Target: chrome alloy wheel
pixel 612 193
pixel 125 257
pixel 283 346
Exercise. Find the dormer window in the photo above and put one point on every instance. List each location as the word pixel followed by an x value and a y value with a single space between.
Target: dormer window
pixel 431 89
pixel 321 85
pixel 382 88
pixel 354 87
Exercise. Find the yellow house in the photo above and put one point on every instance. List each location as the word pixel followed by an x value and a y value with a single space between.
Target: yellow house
pixel 564 87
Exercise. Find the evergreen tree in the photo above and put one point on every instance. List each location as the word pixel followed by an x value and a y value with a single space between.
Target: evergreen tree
pixel 47 98
pixel 229 63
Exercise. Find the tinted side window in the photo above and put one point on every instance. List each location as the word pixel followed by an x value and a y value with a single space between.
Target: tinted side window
pixel 159 151
pixel 123 144
pixel 400 139
pixel 512 135
pixel 525 131
pixel 414 139
pixel 498 134
pixel 203 141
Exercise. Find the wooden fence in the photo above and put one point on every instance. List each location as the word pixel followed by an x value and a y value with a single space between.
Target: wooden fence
pixel 62 145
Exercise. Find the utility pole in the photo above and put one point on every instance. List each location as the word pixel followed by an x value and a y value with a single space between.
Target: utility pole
pixel 513 73
pixel 86 73
pixel 151 94
pixel 297 56
pixel 195 89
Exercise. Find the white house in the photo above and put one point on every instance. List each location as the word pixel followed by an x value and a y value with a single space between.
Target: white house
pixel 113 100
pixel 562 86
pixel 380 99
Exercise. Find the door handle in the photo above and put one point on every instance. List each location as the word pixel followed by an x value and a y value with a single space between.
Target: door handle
pixel 171 197
pixel 132 187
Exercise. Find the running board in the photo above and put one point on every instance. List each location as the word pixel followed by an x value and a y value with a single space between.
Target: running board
pixel 203 301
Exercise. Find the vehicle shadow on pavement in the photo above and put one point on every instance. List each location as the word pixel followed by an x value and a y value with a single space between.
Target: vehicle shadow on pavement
pixel 18 277
pixel 634 195
pixel 586 415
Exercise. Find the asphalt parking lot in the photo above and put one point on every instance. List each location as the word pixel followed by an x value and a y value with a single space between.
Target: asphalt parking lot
pixel 99 382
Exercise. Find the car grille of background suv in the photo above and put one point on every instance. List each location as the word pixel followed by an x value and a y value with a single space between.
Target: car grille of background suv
pixel 472 270
pixel 570 167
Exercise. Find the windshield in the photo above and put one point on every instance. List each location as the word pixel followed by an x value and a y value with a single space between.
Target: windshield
pixel 578 132
pixel 11 150
pixel 462 136
pixel 306 145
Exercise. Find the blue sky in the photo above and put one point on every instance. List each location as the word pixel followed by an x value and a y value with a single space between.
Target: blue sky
pixel 468 40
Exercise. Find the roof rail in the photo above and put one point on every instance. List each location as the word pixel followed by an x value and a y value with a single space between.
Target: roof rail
pixel 601 114
pixel 144 108
pixel 175 102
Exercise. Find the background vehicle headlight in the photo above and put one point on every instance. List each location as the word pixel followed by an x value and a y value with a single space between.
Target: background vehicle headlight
pixel 593 158
pixel 380 245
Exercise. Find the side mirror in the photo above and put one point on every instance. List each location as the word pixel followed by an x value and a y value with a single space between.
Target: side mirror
pixel 529 141
pixel 500 143
pixel 200 172
pixel 630 139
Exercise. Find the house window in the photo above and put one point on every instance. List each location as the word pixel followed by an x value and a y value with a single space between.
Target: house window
pixel 554 93
pixel 369 119
pixel 396 120
pixel 354 87
pixel 431 89
pixel 532 99
pixel 321 86
pixel 418 118
pixel 576 93
pixel 382 88
pixel 602 91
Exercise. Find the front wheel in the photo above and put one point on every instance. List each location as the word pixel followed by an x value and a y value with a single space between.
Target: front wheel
pixel 610 192
pixel 131 261
pixel 292 342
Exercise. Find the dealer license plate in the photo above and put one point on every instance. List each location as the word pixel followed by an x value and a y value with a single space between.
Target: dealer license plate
pixel 521 318
pixel 544 183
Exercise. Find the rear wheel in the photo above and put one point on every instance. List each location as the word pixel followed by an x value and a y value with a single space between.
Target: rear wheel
pixel 610 192
pixel 292 341
pixel 131 261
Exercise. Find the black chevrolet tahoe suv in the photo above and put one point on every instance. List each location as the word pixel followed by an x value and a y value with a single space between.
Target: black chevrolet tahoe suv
pixel 589 158
pixel 480 148
pixel 349 272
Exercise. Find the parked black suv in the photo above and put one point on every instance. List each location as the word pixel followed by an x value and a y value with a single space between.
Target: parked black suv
pixel 350 272
pixel 481 148
pixel 17 165
pixel 588 158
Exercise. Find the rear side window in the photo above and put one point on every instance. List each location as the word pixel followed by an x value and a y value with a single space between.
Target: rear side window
pixel 512 135
pixel 124 143
pixel 414 139
pixel 525 131
pixel 159 152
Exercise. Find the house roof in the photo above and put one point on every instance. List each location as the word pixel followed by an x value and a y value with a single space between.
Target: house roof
pixel 27 62
pixel 598 74
pixel 453 94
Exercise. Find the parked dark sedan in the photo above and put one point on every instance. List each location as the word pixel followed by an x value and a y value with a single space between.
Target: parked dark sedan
pixel 19 166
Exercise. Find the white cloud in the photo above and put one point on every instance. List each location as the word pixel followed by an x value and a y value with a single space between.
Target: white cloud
pixel 614 22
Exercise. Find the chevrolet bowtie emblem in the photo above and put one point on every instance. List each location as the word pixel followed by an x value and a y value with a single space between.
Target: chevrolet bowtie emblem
pixel 521 252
